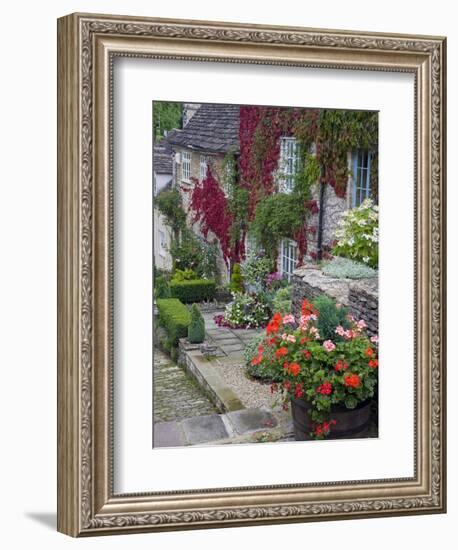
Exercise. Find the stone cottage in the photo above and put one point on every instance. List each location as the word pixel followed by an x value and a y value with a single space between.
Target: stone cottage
pixel 211 131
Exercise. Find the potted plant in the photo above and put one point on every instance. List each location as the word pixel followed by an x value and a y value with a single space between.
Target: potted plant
pixel 327 366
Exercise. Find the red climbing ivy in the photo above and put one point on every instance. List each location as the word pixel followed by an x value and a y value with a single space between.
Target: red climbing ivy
pixel 211 211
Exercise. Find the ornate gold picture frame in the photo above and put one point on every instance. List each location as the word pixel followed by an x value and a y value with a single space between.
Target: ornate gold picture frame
pixel 87 46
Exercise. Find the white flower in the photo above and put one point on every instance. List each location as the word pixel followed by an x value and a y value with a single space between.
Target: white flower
pixel 366 259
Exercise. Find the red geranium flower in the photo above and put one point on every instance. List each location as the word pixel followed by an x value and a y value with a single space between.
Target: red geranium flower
pixel 341 365
pixel 369 352
pixel 307 354
pixel 294 369
pixel 373 363
pixel 352 380
pixel 281 352
pixel 298 391
pixel 287 385
pixel 277 318
pixel 308 308
pixel 272 327
pixel 325 388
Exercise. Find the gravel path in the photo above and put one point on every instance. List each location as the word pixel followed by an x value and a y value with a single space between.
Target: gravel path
pixel 251 393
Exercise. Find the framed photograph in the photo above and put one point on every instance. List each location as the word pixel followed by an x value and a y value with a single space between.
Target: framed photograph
pixel 251 290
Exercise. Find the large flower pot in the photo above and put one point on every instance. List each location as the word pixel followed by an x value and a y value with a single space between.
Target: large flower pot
pixel 350 423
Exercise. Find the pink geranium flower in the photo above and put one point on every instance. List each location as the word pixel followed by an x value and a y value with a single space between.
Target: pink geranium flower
pixel 329 345
pixel 289 319
pixel 374 339
pixel 340 330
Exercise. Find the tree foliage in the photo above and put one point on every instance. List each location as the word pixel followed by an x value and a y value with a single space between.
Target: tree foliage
pixel 167 115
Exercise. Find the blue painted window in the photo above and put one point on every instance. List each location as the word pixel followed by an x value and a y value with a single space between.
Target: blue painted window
pixel 361 176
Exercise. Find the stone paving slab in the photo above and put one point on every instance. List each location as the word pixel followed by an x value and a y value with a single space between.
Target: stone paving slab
pixel 246 426
pixel 168 434
pixel 202 429
pixel 251 420
pixel 229 348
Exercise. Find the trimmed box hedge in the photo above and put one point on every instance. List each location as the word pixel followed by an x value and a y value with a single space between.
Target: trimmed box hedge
pixel 195 290
pixel 174 316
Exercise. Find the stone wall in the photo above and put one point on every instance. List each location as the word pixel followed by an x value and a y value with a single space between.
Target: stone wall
pixel 361 297
pixel 334 208
pixel 363 302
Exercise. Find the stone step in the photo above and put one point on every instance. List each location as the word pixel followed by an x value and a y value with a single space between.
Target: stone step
pixel 247 425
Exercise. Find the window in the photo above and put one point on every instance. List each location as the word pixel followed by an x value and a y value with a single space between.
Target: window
pixel 288 163
pixel 251 244
pixel 186 166
pixel 288 258
pixel 361 176
pixel 203 167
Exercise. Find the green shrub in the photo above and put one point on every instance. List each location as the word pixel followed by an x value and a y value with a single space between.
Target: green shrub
pixel 196 329
pixel 174 317
pixel 181 275
pixel 344 268
pixel 282 300
pixel 330 315
pixel 196 290
pixel 255 269
pixel 236 279
pixel 161 287
pixel 190 252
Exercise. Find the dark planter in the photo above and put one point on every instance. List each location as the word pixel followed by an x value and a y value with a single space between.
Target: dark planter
pixel 350 423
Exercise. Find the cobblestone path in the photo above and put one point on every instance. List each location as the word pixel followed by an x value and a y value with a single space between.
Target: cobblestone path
pixel 176 395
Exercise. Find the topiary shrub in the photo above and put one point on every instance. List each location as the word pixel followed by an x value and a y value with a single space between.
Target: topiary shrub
pixel 236 279
pixel 197 290
pixel 196 328
pixel 330 315
pixel 174 317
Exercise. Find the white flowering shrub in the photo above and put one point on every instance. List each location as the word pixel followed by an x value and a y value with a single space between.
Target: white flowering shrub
pixel 357 235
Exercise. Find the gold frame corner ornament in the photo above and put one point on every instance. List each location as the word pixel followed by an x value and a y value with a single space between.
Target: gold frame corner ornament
pixel 87 45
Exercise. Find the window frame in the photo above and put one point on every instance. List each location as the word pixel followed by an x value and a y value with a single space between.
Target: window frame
pixel 357 168
pixel 288 163
pixel 203 159
pixel 288 245
pixel 186 166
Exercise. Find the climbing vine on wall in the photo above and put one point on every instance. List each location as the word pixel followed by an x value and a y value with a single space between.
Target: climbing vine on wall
pixel 210 206
pixel 252 200
pixel 332 132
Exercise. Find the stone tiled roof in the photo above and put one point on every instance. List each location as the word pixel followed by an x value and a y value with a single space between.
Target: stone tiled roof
pixel 214 129
pixel 163 151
